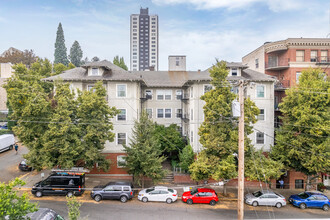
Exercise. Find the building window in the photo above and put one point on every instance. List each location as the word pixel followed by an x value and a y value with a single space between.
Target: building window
pixel 297 77
pixel 260 91
pixel 122 115
pixel 207 88
pixel 234 89
pixel 168 113
pixel 95 72
pixel 191 114
pixel 313 55
pixel 260 138
pixel 135 18
pixel 121 161
pixel 300 55
pixel 121 138
pixel 168 94
pixel 179 94
pixel 257 63
pixel 191 136
pixel 234 71
pixel 164 94
pixel 148 94
pixel 324 56
pixel 160 113
pixel 160 94
pixel 299 184
pixel 149 112
pixel 153 19
pixel 121 90
pixel 177 63
pixel 90 88
pixel 178 113
pixel 261 116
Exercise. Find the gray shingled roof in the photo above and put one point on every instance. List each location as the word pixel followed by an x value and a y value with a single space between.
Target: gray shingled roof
pixel 153 78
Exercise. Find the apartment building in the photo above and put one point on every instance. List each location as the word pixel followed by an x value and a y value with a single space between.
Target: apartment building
pixel 285 59
pixel 6 72
pixel 144 41
pixel 169 97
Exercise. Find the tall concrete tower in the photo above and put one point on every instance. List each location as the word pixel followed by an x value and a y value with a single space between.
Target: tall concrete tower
pixel 144 41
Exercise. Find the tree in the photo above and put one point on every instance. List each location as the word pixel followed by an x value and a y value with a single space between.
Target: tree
pixel 14 206
pixel 219 132
pixel 73 208
pixel 95 59
pixel 303 141
pixel 200 169
pixel 120 62
pixel 27 57
pixel 60 48
pixel 186 157
pixel 144 154
pixel 76 54
pixel 62 129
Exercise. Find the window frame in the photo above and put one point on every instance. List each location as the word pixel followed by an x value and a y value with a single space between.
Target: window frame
pixel 204 86
pixel 260 85
pixel 258 138
pixel 95 68
pixel 151 115
pixel 120 114
pixel 263 115
pixel 117 138
pixel 162 112
pixel 120 159
pixel 167 113
pixel 117 95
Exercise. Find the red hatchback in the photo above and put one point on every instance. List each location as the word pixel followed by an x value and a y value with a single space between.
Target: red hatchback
pixel 200 195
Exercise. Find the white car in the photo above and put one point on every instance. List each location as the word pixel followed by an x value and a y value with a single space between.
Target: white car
pixel 158 194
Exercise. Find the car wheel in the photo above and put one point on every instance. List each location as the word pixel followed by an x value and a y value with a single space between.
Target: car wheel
pixel 290 200
pixel 144 199
pixel 168 200
pixel 189 201
pixel 325 208
pixel 10 147
pixel 97 198
pixel 302 206
pixel 38 194
pixel 255 203
pixel 212 202
pixel 69 194
pixel 278 205
pixel 123 199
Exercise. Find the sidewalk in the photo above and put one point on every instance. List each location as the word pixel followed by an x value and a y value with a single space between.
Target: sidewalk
pixel 90 182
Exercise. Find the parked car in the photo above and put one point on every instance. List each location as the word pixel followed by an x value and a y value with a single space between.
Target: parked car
pixel 44 214
pixel 7 142
pixel 265 197
pixel 158 194
pixel 5 126
pixel 310 200
pixel 200 195
pixel 61 183
pixel 113 190
pixel 23 166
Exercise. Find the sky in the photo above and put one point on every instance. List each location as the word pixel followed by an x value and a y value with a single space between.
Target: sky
pixel 203 30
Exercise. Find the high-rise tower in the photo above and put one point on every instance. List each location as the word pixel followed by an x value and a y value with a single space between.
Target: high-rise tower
pixel 144 41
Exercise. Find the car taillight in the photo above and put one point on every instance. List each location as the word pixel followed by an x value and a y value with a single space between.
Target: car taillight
pixel 131 193
pixel 173 194
pixel 79 188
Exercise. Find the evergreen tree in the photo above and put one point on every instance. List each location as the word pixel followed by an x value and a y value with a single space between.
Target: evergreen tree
pixel 95 59
pixel 76 54
pixel 144 155
pixel 120 62
pixel 303 141
pixel 60 48
pixel 186 157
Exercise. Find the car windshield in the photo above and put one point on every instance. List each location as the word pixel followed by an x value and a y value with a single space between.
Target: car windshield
pixel 257 194
pixel 303 195
pixel 149 190
pixel 194 192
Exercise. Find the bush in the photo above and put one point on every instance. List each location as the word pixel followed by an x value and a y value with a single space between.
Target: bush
pixel 321 187
pixel 186 157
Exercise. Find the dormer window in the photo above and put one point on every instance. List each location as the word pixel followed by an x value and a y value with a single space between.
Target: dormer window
pixel 95 71
pixel 234 71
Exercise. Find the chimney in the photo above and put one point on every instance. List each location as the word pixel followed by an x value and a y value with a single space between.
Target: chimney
pixel 177 63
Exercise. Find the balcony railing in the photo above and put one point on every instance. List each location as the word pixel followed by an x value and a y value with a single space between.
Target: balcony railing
pixel 322 60
pixel 277 63
pixel 282 84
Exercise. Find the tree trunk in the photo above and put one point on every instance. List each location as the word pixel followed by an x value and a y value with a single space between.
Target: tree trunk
pixel 142 182
pixel 307 187
pixel 224 189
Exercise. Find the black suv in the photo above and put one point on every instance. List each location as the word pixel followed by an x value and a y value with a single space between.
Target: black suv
pixel 61 183
pixel 113 190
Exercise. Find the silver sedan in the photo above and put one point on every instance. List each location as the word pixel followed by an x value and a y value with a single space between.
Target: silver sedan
pixel 265 197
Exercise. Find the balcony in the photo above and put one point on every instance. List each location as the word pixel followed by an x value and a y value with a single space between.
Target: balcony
pixel 323 60
pixel 277 63
pixel 282 85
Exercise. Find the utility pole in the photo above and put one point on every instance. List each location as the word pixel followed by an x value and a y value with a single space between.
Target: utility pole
pixel 240 210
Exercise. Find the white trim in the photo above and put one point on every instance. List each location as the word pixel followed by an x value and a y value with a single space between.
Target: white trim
pixel 257 138
pixel 165 112
pixel 257 91
pixel 125 114
pixel 117 90
pixel 263 114
pixel 157 112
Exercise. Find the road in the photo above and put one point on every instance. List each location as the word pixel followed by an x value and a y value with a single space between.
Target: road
pixel 137 210
pixel 9 161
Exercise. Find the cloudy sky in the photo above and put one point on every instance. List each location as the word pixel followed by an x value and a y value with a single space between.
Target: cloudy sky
pixel 200 29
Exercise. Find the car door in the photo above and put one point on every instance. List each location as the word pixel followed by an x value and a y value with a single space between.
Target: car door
pixel 117 190
pixel 154 195
pixel 263 200
pixel 200 197
pixel 312 201
pixel 107 192
pixel 164 195
pixel 46 186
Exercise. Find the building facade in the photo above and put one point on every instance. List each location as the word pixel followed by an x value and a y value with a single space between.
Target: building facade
pixel 6 72
pixel 144 45
pixel 169 97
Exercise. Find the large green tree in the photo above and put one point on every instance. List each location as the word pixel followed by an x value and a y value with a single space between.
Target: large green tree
pixel 12 205
pixel 219 131
pixel 120 62
pixel 26 57
pixel 303 140
pixel 60 48
pixel 76 54
pixel 144 154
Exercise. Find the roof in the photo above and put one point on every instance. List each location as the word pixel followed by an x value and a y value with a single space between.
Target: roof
pixel 205 190
pixel 154 78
